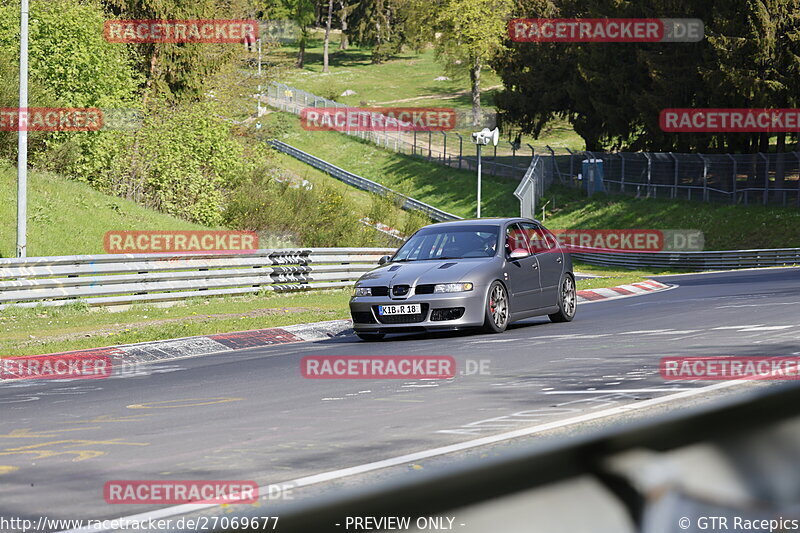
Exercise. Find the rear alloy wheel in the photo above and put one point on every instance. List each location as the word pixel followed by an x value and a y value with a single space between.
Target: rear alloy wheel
pixel 370 336
pixel 497 309
pixel 567 301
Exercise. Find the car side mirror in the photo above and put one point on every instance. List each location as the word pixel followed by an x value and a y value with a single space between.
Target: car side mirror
pixel 383 260
pixel 518 253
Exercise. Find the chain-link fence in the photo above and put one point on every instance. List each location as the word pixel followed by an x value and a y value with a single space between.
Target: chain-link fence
pixel 772 178
pixel 445 148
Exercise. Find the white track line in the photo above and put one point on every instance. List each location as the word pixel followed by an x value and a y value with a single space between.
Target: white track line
pixel 426 454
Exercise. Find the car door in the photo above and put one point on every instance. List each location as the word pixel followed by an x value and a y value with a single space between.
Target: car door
pixel 551 262
pixel 521 275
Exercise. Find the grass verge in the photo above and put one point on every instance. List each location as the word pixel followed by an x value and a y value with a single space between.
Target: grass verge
pixel 73 328
pixel 66 217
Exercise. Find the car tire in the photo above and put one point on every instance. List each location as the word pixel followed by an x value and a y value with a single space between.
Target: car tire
pixel 498 308
pixel 370 337
pixel 567 300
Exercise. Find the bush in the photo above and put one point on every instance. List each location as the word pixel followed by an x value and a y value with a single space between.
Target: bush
pixel 320 216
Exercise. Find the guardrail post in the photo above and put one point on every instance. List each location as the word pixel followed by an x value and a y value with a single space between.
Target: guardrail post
pixel 571 165
pixel 705 177
pixel 797 155
pixel 533 156
pixel 460 151
pixel 555 166
pixel 674 177
pixel 735 176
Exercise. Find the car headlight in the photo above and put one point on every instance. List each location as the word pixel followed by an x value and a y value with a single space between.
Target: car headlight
pixel 362 291
pixel 452 287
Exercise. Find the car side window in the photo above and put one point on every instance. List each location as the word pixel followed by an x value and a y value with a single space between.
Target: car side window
pixel 537 238
pixel 551 238
pixel 515 239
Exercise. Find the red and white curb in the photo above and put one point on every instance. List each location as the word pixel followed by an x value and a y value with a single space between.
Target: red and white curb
pixel 123 356
pixel 621 291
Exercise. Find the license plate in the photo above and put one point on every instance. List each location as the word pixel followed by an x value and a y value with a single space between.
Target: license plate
pixel 403 309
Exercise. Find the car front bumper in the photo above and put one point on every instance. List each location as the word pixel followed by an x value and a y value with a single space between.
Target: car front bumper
pixel 364 310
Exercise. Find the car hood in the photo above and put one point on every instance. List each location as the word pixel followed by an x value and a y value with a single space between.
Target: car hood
pixel 417 272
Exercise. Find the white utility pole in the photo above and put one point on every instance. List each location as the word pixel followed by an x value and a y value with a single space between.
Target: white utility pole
pixel 22 125
pixel 481 138
pixel 479 181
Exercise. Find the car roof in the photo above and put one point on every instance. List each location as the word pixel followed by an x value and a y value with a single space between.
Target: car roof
pixel 484 221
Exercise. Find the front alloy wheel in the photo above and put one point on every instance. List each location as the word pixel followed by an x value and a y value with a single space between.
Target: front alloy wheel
pixel 567 301
pixel 497 309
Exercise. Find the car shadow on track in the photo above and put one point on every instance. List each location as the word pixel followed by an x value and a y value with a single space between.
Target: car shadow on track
pixel 348 336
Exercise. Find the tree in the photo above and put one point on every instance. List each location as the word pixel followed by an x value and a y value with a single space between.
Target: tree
pixel 178 71
pixel 302 12
pixel 466 34
pixel 379 24
pixel 344 10
pixel 327 37
pixel 613 93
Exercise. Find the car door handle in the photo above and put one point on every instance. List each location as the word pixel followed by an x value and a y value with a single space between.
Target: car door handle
pixel 558 260
pixel 536 265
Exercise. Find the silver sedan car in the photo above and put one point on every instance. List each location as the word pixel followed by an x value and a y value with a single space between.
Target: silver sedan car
pixel 485 272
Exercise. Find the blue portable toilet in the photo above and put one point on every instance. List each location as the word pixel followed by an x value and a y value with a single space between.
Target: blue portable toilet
pixel 593 175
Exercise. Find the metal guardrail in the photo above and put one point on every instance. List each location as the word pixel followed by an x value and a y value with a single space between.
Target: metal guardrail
pixel 711 260
pixel 362 183
pixel 439 147
pixel 142 278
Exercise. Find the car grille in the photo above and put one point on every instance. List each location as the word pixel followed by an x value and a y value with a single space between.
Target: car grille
pixel 380 291
pixel 424 289
pixel 363 317
pixel 402 319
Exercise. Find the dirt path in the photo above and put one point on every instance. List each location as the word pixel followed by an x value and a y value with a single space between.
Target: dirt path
pixel 451 95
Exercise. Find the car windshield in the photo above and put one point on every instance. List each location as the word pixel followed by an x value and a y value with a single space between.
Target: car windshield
pixel 450 242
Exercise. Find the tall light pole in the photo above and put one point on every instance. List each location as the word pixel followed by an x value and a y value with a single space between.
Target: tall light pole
pixel 22 125
pixel 482 138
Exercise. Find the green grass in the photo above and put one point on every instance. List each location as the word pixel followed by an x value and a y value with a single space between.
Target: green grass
pixel 598 283
pixel 726 227
pixel 67 217
pixel 444 187
pixel 365 204
pixel 51 330
pixel 407 75
pixel 59 329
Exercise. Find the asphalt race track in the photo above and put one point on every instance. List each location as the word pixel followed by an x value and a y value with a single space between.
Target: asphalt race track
pixel 250 414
